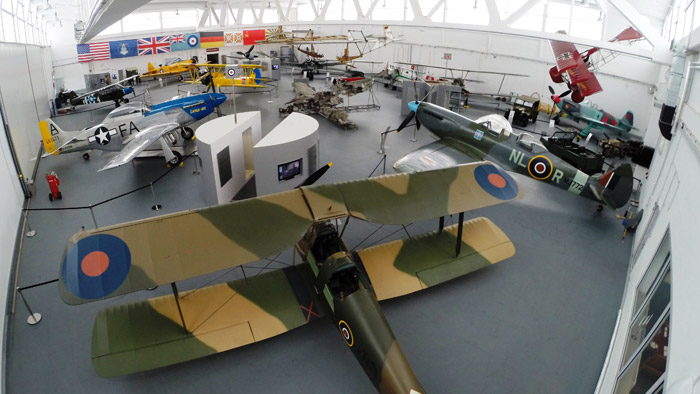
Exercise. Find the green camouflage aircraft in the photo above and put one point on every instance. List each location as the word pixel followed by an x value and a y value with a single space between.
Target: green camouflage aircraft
pixel 129 257
pixel 491 137
pixel 595 118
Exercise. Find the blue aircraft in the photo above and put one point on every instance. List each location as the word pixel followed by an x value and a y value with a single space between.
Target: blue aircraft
pixel 133 128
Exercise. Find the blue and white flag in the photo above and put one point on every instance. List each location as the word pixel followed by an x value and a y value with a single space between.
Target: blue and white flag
pixel 124 48
pixel 191 41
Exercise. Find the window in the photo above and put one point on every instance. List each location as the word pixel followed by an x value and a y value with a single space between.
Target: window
pixel 532 20
pixel 179 18
pixel 142 21
pixel 644 360
pixel 115 28
pixel 467 12
pixel 390 10
pixel 8 26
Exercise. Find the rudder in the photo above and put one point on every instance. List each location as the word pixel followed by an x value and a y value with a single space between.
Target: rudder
pixel 617 185
pixel 628 120
pixel 151 67
pixel 48 132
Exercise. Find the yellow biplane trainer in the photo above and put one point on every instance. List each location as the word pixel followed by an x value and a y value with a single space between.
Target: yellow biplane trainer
pixel 251 76
pixel 175 67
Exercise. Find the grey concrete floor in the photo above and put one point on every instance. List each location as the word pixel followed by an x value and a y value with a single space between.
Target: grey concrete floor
pixel 539 322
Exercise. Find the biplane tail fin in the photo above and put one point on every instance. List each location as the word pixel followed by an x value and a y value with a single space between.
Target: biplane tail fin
pixel 615 187
pixel 388 34
pixel 627 121
pixel 151 67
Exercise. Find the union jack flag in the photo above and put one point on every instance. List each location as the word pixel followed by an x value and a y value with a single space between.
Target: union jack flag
pixel 153 45
pixel 174 39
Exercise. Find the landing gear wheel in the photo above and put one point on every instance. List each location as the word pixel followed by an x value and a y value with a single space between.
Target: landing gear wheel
pixel 600 208
pixel 59 196
pixel 175 160
pixel 557 120
pixel 506 114
pixel 86 156
pixel 187 133
pixel 393 87
pixel 116 104
pixel 50 197
pixel 126 101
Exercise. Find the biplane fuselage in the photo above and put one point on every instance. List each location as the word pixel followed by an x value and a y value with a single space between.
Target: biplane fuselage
pixel 353 306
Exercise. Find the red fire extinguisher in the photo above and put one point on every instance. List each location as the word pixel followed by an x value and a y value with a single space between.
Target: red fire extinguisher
pixel 53 181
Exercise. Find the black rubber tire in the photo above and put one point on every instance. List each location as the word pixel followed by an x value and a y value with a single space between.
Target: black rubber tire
pixel 126 101
pixel 50 197
pixel 505 115
pixel 86 156
pixel 59 196
pixel 557 120
pixel 176 160
pixel 310 76
pixel 187 133
pixel 116 104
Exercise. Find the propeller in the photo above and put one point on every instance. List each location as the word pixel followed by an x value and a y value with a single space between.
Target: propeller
pixel 311 179
pixel 557 97
pixel 246 54
pixel 414 107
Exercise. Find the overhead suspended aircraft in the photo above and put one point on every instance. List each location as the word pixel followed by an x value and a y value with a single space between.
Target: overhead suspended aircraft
pixel 334 281
pixel 491 137
pixel 576 69
pixel 133 128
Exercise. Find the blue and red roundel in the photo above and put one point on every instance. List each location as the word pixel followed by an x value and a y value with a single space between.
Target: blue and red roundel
pixel 96 266
pixel 496 182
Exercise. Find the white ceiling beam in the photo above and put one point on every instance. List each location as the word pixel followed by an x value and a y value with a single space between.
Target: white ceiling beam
pixel 322 15
pixel 371 8
pixel 280 12
pixel 203 19
pixel 223 14
pixel 358 8
pixel 435 8
pixel 520 12
pixel 313 7
pixel 230 11
pixel 212 12
pixel 289 9
pixel 261 13
pixel 494 16
pixel 417 12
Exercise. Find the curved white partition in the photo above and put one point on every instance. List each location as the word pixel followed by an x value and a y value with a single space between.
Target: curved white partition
pixel 226 149
pixel 287 154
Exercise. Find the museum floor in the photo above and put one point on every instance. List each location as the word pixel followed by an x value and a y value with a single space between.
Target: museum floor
pixel 539 322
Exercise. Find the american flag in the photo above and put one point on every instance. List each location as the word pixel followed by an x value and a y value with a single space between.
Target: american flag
pixel 174 39
pixel 96 51
pixel 153 45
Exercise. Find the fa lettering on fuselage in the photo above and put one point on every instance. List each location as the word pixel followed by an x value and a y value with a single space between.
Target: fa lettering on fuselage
pixel 132 129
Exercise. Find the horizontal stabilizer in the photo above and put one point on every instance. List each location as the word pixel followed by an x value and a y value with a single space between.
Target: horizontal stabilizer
pixel 146 335
pixel 406 266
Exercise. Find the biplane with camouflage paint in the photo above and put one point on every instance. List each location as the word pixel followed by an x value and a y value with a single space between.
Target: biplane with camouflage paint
pixel 491 138
pixel 129 257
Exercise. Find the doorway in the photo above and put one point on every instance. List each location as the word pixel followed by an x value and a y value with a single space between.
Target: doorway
pixel 213 58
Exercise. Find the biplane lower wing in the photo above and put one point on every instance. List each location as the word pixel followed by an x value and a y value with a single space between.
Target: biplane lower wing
pixel 406 266
pixel 150 334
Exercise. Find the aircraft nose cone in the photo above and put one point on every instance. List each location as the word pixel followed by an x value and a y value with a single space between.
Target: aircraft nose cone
pixel 413 105
pixel 556 99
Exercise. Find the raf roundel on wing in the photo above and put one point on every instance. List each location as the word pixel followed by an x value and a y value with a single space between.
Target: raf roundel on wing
pixel 96 266
pixel 496 182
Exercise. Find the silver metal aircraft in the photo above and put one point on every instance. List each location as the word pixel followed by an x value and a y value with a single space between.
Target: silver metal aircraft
pixel 132 128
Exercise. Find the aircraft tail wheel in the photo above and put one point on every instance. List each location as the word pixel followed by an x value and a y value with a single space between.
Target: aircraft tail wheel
pixel 187 133
pixel 175 160
pixel 86 156
pixel 126 101
pixel 50 197
pixel 59 196
pixel 116 104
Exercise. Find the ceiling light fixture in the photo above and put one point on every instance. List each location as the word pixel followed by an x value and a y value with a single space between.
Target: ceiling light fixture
pixel 475 4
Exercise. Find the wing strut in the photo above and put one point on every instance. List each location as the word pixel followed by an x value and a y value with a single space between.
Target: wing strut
pixel 460 226
pixel 177 301
pixel 442 224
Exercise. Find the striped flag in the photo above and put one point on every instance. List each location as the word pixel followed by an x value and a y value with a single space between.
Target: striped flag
pixel 154 45
pixel 211 39
pixel 91 52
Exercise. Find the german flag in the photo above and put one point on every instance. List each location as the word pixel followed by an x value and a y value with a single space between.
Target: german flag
pixel 211 39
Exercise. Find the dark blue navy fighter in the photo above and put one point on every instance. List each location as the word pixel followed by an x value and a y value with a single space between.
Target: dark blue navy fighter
pixel 134 128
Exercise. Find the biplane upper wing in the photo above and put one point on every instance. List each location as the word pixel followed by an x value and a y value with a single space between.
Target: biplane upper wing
pixel 585 80
pixel 465 70
pixel 406 266
pixel 566 55
pixel 133 256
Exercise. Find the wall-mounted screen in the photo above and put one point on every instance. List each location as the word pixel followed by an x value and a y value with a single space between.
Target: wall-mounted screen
pixel 223 159
pixel 275 66
pixel 289 170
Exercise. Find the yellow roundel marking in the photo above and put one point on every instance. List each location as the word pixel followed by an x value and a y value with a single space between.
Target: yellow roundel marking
pixel 540 167
pixel 346 332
